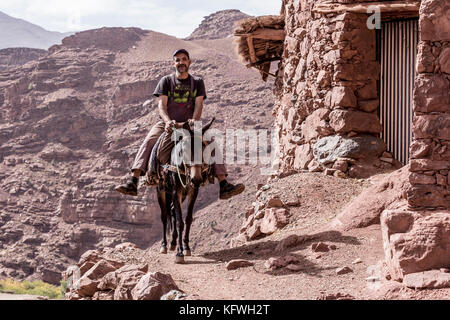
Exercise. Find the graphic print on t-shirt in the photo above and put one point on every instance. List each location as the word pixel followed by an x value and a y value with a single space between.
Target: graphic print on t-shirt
pixel 182 90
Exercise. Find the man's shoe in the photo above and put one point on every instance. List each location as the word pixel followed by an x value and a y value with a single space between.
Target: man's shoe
pixel 229 190
pixel 130 188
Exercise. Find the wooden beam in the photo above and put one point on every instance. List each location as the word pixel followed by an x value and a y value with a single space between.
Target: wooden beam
pixel 250 65
pixel 269 34
pixel 385 7
pixel 265 34
pixel 251 49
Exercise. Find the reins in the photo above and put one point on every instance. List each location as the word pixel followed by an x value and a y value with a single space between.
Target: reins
pixel 178 169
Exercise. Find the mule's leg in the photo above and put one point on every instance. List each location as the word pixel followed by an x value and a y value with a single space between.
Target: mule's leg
pixel 192 198
pixel 162 205
pixel 180 226
pixel 171 211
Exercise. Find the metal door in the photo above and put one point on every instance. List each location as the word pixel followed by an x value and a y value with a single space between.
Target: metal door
pixel 397 45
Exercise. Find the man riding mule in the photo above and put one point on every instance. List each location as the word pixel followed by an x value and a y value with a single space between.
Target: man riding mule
pixel 181 98
pixel 179 180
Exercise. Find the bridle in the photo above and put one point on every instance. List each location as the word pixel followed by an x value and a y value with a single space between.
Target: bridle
pixel 204 167
pixel 178 168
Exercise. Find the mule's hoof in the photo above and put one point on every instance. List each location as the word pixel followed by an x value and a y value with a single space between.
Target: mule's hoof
pixel 163 250
pixel 187 253
pixel 179 259
pixel 172 247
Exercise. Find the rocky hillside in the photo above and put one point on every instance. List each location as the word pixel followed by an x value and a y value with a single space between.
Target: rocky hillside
pixel 19 33
pixel 70 125
pixel 217 25
pixel 14 57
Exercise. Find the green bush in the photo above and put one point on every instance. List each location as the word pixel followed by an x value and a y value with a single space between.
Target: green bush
pixel 38 288
pixel 63 287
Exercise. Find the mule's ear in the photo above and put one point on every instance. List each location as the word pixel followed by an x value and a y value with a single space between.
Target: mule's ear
pixel 208 125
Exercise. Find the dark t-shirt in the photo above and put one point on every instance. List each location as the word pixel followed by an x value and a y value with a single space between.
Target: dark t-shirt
pixel 180 108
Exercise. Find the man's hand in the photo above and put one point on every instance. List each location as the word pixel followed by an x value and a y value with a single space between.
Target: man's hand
pixel 170 125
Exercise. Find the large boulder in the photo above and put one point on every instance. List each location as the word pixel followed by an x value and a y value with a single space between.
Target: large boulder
pixel 111 280
pixel 433 279
pixel 128 280
pixel 99 276
pixel 87 285
pixel 265 219
pixel 415 241
pixel 273 220
pixel 364 210
pixel 329 149
pixel 343 121
pixel 153 286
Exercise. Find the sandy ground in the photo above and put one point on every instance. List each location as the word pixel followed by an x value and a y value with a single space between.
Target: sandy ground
pixel 205 273
pixel 8 296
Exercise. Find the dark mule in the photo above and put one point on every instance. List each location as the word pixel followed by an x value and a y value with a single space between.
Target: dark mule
pixel 178 181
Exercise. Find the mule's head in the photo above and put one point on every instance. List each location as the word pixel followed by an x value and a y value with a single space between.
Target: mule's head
pixel 196 146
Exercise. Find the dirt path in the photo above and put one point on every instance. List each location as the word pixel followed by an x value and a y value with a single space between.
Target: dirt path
pixel 8 296
pixel 205 274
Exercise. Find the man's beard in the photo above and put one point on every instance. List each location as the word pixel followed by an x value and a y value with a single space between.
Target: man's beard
pixel 182 68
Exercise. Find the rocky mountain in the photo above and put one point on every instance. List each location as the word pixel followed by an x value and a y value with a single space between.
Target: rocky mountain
pixel 15 57
pixel 71 123
pixel 217 25
pixel 20 33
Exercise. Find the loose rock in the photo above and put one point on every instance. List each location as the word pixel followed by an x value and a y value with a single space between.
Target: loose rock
pixel 343 270
pixel 236 264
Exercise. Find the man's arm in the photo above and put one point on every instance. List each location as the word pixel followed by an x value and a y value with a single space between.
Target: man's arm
pixel 162 108
pixel 198 108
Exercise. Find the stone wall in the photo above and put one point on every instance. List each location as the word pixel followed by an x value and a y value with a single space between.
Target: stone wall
pixel 328 99
pixel 327 93
pixel 417 239
pixel 327 116
pixel 430 149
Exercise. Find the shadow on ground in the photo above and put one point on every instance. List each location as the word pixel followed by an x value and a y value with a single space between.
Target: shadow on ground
pixel 260 252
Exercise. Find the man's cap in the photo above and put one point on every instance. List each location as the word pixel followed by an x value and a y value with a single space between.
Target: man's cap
pixel 181 51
